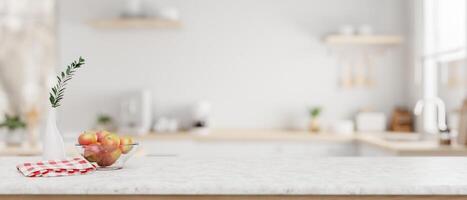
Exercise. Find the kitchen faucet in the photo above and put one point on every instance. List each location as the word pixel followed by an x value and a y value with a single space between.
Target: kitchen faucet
pixel 441 110
pixel 441 107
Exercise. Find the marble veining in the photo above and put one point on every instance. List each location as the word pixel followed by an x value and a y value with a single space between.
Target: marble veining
pixel 254 175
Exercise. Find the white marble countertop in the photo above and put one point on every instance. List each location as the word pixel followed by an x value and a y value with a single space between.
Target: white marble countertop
pixel 254 175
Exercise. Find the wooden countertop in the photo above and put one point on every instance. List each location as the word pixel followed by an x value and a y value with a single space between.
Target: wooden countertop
pixel 429 147
pixel 249 135
pixel 404 148
pixel 400 147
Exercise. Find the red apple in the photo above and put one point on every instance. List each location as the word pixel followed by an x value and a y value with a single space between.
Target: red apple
pixel 101 135
pixel 87 138
pixel 91 152
pixel 110 142
pixel 125 144
pixel 108 158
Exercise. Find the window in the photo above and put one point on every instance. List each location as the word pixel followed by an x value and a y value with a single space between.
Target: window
pixel 443 54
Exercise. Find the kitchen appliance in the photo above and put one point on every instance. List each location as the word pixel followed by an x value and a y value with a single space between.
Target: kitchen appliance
pixel 201 118
pixel 134 8
pixel 136 113
pixel 166 125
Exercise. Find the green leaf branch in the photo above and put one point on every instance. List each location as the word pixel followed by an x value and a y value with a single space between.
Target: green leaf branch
pixel 315 112
pixel 12 123
pixel 56 95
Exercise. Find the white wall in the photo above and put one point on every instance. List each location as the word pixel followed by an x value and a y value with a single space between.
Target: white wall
pixel 260 63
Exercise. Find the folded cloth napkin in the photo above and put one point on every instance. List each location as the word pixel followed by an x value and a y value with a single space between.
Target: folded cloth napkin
pixel 50 168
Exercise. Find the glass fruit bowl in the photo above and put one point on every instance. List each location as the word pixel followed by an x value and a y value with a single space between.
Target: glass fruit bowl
pixel 105 157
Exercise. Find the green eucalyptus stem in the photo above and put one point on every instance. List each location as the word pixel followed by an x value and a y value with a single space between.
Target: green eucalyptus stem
pixel 59 89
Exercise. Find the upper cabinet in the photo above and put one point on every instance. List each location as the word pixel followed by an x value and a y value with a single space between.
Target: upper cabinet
pixel 140 15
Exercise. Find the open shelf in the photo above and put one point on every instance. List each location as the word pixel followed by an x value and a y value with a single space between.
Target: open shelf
pixel 140 23
pixel 363 39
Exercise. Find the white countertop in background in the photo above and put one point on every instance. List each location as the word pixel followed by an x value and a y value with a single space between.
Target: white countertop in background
pixel 401 144
pixel 253 175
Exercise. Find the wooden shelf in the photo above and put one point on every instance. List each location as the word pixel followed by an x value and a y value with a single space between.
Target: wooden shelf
pixel 19 151
pixel 140 23
pixel 363 39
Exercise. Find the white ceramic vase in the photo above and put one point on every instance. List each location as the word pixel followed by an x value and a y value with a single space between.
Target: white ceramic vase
pixel 52 140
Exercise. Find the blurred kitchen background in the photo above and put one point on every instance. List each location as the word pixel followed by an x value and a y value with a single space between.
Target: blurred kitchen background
pixel 314 77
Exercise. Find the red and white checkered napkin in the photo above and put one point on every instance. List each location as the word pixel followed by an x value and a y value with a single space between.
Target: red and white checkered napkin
pixel 67 167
